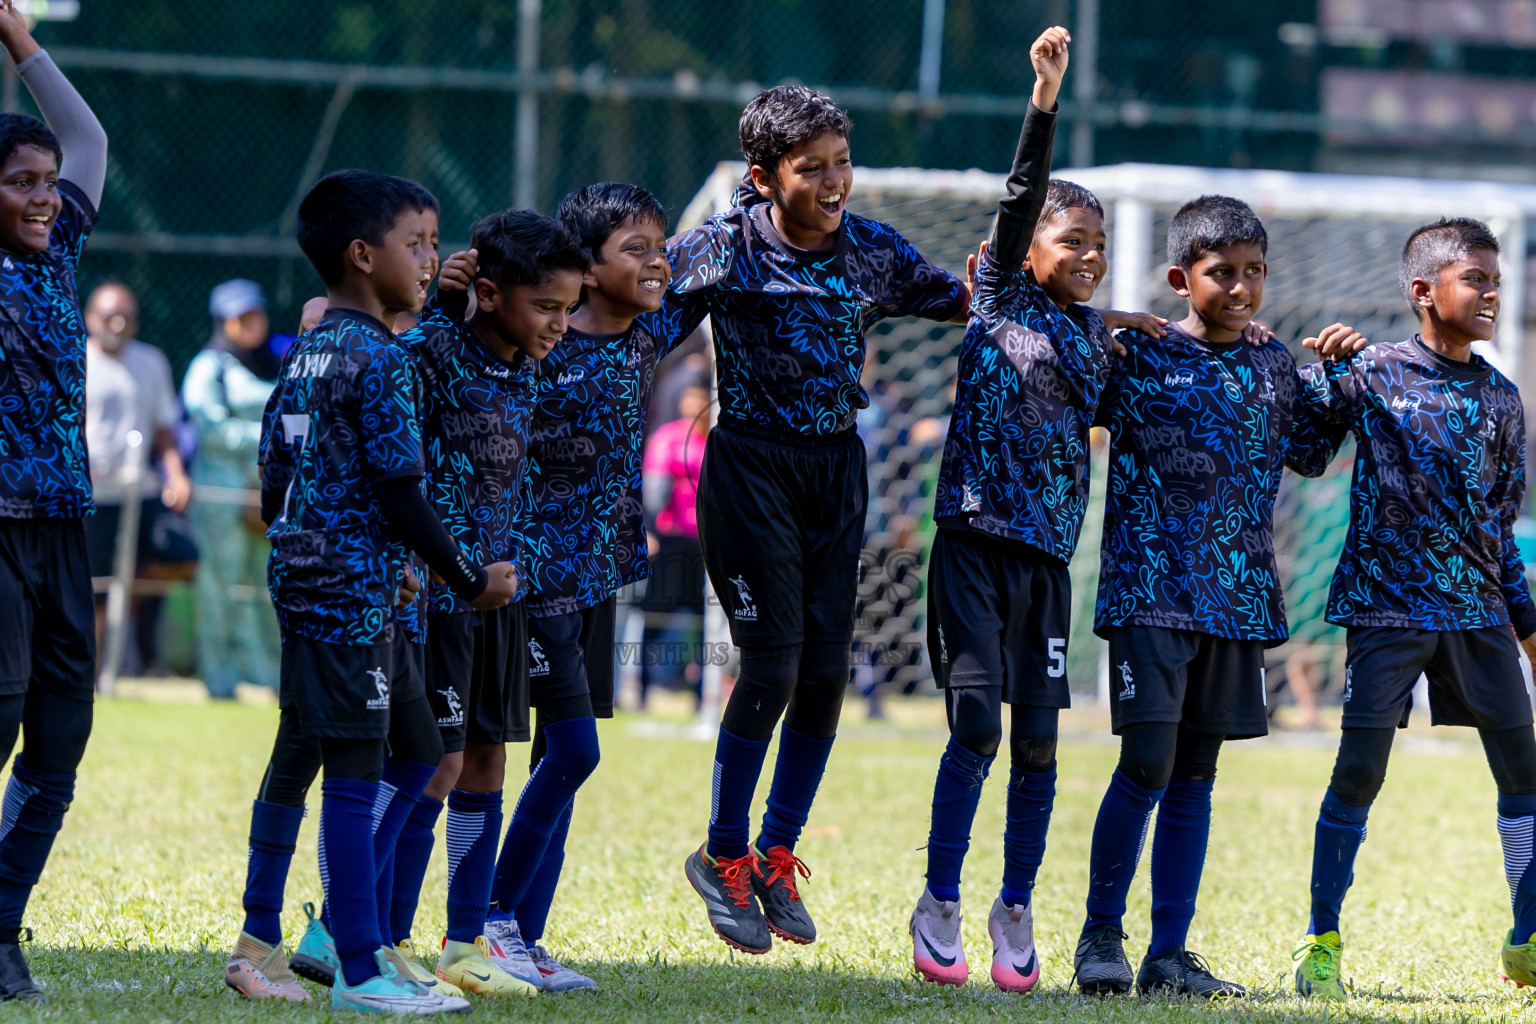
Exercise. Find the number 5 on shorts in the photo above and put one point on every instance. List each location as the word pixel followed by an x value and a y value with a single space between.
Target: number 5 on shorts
pixel 1056 655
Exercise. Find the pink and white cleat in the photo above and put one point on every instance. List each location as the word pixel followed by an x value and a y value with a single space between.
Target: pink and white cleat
pixel 937 953
pixel 1015 967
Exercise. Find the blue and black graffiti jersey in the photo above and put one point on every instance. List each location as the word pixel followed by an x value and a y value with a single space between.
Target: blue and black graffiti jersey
pixel 1200 434
pixel 585 535
pixel 341 420
pixel 475 409
pixel 1439 479
pixel 789 325
pixel 43 468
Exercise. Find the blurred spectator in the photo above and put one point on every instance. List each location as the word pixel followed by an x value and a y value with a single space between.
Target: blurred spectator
pixel 128 389
pixel 225 392
pixel 674 596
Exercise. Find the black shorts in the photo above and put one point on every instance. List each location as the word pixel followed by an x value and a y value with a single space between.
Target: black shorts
pixel 47 616
pixel 408 681
pixel 998 615
pixel 477 675
pixel 165 537
pixel 781 527
pixel 1474 677
pixel 1211 684
pixel 339 691
pixel 569 655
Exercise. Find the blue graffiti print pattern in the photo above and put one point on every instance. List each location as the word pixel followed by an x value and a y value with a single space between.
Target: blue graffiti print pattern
pixel 43 469
pixel 1030 376
pixel 341 420
pixel 788 324
pixel 585 537
pixel 1200 434
pixel 475 412
pixel 1438 482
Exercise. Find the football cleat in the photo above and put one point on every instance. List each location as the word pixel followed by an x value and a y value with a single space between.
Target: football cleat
pixel 725 885
pixel 259 971
pixel 391 992
pixel 316 957
pixel 403 956
pixel 468 966
pixel 937 952
pixel 508 951
pixel 1101 967
pixel 1317 967
pixel 1518 963
pixel 1182 973
pixel 1015 966
pixel 557 976
pixel 773 883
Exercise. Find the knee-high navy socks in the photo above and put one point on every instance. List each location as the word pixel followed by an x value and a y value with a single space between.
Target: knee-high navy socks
pixel 347 874
pixel 274 834
pixel 956 792
pixel 570 758
pixel 30 818
pixel 1119 834
pixel 1179 842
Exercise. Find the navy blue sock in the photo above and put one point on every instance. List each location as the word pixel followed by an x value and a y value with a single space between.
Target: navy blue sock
pixel 796 777
pixel 1031 795
pixel 30 818
pixel 570 757
pixel 738 763
pixel 474 825
pixel 1178 858
pixel 274 833
pixel 399 790
pixel 346 874
pixel 1517 833
pixel 533 909
pixel 413 850
pixel 1119 833
pixel 956 792
pixel 1340 831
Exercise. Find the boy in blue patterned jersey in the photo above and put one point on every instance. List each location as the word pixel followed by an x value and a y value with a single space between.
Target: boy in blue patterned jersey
pixel 343 441
pixel 49 187
pixel 478 377
pixel 791 282
pixel 1010 502
pixel 584 539
pixel 1430 580
pixel 1202 424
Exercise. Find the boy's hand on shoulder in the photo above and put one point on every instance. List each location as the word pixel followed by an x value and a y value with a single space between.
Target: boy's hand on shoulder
pixel 1048 54
pixel 456 283
pixel 410 586
pixel 1146 323
pixel 1257 335
pixel 1529 646
pixel 1336 341
pixel 314 309
pixel 500 587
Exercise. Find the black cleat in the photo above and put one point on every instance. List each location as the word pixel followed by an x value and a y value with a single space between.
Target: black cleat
pixel 725 885
pixel 1179 972
pixel 1100 964
pixel 15 977
pixel 774 885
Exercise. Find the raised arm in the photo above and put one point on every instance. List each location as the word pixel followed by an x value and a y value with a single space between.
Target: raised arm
pixel 1018 211
pixel 81 136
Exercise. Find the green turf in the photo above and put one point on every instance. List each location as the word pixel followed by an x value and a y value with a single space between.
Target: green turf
pixel 142 895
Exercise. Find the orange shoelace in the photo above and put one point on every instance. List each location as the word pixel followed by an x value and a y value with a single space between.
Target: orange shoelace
pixel 736 874
pixel 784 865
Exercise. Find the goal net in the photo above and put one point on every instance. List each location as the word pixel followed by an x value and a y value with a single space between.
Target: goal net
pixel 1334 242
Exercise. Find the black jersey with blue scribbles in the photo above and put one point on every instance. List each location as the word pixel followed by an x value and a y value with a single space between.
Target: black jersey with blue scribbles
pixel 584 537
pixel 1200 434
pixel 1030 375
pixel 43 469
pixel 475 410
pixel 341 420
pixel 789 324
pixel 1438 482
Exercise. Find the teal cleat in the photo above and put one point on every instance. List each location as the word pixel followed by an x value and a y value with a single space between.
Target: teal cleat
pixel 392 992
pixel 315 958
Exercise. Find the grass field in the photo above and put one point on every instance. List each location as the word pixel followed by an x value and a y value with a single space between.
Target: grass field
pixel 142 895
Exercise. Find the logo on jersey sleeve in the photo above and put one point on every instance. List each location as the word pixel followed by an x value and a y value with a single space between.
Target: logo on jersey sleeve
pixel 537 661
pixel 746 608
pixel 1127 683
pixel 381 683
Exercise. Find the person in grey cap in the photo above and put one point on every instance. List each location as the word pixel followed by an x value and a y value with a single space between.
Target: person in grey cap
pixel 225 391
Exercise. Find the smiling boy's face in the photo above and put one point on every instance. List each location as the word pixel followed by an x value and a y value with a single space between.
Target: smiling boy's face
pixel 809 189
pixel 1066 256
pixel 1464 297
pixel 29 200
pixel 633 271
pixel 1225 287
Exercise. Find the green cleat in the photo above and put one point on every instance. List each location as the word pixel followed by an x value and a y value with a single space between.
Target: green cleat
pixel 1518 963
pixel 1317 967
